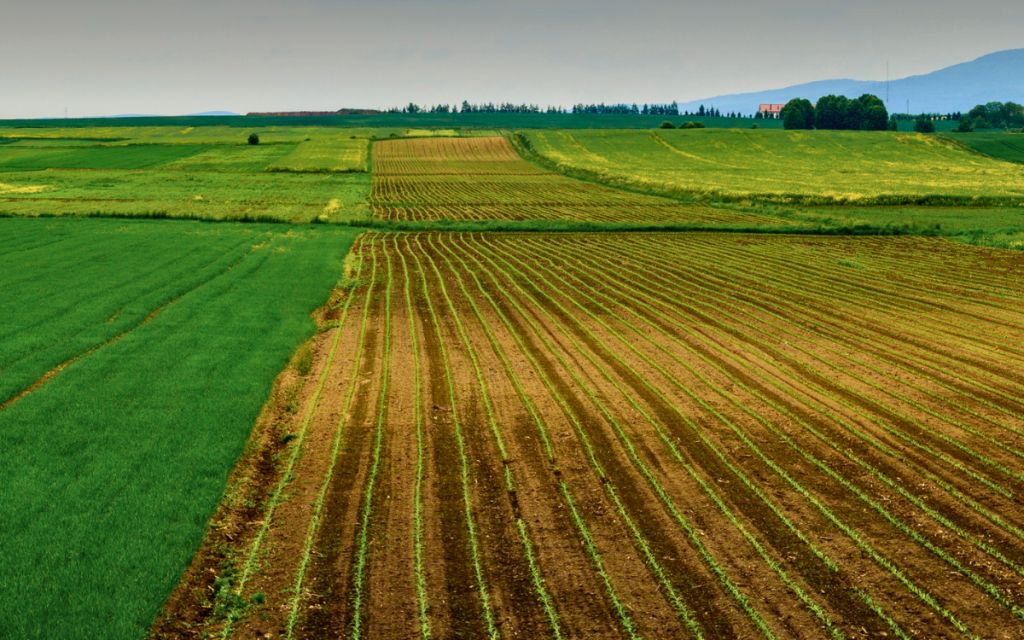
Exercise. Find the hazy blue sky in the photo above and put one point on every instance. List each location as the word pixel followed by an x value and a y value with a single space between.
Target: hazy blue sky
pixel 168 57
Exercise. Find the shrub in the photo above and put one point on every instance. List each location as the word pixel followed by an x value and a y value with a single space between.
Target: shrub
pixel 692 125
pixel 964 126
pixel 304 360
pixel 924 125
pixel 254 139
pixel 667 125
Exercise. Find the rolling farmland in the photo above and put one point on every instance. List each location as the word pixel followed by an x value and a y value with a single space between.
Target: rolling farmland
pixel 810 167
pixel 207 173
pixel 135 357
pixel 717 433
pixel 653 435
pixel 485 179
pixel 1004 146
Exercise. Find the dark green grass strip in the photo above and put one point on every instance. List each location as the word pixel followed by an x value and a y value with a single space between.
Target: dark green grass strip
pixel 138 156
pixel 112 470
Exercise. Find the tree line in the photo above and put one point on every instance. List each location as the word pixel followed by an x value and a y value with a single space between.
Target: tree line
pixel 866 113
pixel 993 115
pixel 670 109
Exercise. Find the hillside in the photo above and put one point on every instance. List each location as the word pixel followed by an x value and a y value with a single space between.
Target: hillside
pixel 997 76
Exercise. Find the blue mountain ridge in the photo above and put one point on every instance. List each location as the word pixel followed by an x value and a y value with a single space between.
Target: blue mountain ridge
pixel 995 77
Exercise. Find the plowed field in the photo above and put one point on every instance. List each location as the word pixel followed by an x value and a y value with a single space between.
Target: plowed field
pixel 659 436
pixel 485 179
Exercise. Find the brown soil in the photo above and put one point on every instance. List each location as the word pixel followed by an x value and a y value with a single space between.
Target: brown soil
pixel 622 353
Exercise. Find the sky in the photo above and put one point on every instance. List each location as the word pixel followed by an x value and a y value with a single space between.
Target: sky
pixel 138 56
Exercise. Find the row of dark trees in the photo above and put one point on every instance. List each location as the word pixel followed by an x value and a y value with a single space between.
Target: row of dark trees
pixel 994 115
pixel 670 109
pixel 489 107
pixel 866 113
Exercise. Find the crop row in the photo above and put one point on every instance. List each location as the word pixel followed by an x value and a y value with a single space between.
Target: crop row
pixel 651 436
pixel 450 156
pixel 531 248
pixel 483 178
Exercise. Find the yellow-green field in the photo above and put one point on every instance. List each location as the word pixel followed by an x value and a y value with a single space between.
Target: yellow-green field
pixel 784 166
pixel 295 174
pixel 326 155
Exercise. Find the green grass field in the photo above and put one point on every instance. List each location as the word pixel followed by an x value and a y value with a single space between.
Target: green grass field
pixel 1004 146
pixel 811 167
pixel 294 175
pixel 326 155
pixel 112 467
pixel 141 156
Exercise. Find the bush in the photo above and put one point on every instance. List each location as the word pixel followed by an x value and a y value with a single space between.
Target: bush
pixel 667 125
pixel 798 114
pixel 997 115
pixel 964 126
pixel 924 125
pixel 304 360
pixel 692 125
pixel 254 139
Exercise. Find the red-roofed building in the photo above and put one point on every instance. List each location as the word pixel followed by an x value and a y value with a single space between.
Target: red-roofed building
pixel 770 110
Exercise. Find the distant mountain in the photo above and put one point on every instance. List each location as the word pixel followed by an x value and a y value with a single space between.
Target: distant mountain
pixel 997 76
pixel 158 115
pixel 214 113
pixel 344 111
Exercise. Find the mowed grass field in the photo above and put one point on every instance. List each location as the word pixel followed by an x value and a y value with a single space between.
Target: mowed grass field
pixel 135 357
pixel 483 178
pixel 654 436
pixel 294 175
pixel 810 167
